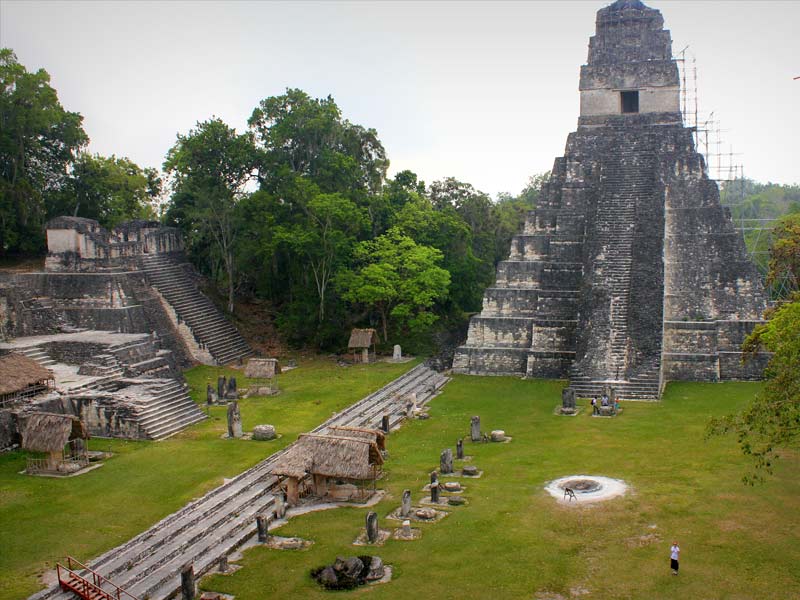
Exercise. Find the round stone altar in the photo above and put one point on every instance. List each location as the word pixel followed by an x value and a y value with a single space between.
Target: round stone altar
pixel 587 488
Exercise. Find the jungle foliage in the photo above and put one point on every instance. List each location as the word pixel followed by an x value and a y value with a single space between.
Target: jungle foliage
pixel 771 423
pixel 296 212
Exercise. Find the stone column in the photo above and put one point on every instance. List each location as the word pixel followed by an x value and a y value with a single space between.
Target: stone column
pixel 232 388
pixel 397 353
pixel 187 581
pixel 434 477
pixel 446 461
pixel 372 527
pixel 475 429
pixel 220 388
pixel 209 394
pixel 385 423
pixel 435 492
pixel 460 448
pixel 405 506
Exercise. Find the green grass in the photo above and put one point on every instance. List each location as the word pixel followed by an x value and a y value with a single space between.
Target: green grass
pixel 514 541
pixel 44 519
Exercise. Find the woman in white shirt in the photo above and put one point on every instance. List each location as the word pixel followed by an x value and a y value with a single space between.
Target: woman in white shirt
pixel 674 553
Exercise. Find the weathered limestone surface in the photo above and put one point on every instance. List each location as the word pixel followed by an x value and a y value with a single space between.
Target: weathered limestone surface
pixel 629 271
pixel 132 279
pixel 211 527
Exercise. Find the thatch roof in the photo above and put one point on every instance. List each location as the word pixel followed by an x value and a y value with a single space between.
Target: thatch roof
pixel 18 372
pixel 49 432
pixel 372 435
pixel 362 338
pixel 331 456
pixel 262 368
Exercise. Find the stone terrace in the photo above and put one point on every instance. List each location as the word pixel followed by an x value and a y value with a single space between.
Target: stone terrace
pixel 210 528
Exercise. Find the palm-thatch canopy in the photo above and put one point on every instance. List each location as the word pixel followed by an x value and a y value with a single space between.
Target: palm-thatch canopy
pixel 372 435
pixel 18 372
pixel 49 432
pixel 330 456
pixel 262 368
pixel 362 338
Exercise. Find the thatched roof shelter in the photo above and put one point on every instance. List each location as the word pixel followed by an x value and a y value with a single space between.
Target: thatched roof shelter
pixel 372 435
pixel 362 338
pixel 262 368
pixel 330 456
pixel 18 372
pixel 50 432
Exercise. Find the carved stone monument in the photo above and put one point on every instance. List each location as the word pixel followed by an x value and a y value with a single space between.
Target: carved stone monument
pixel 187 581
pixel 397 353
pixel 435 492
pixel 446 461
pixel 475 429
pixel 221 388
pixel 262 526
pixel 372 527
pixel 231 393
pixel 405 506
pixel 234 420
pixel 460 449
pixel 568 401
pixel 209 394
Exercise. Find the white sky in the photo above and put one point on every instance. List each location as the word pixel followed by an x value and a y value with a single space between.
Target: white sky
pixel 482 91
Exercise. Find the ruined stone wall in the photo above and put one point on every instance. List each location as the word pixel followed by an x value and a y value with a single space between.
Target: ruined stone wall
pixel 81 245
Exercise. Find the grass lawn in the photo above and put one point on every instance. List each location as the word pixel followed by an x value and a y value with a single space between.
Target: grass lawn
pixel 44 519
pixel 514 541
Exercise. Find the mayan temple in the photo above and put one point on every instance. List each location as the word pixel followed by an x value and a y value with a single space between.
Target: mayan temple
pixel 629 273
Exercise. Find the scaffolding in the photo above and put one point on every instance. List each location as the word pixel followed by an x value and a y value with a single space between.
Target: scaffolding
pixel 722 167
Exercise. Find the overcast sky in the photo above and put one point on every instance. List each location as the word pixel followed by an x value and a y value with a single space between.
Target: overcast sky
pixel 482 91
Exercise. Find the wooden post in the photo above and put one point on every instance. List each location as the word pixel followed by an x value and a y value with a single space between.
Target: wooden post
pixel 292 491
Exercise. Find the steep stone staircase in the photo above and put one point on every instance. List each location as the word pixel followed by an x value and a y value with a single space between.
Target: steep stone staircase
pixel 208 326
pixel 202 532
pixel 626 177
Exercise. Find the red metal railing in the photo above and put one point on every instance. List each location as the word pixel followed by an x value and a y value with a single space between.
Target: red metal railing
pixel 90 587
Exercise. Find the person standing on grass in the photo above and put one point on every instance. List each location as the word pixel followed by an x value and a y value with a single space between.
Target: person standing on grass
pixel 674 553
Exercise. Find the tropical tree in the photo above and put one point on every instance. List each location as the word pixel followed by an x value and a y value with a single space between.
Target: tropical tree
pixel 772 421
pixel 209 169
pixel 39 140
pixel 300 135
pixel 109 190
pixel 398 279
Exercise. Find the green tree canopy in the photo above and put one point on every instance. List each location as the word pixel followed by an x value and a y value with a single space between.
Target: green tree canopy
pixel 108 189
pixel 397 279
pixel 772 421
pixel 209 169
pixel 300 135
pixel 39 140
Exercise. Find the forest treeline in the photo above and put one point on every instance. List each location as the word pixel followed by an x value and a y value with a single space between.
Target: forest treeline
pixel 296 211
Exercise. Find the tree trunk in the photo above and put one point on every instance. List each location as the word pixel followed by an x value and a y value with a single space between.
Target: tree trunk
pixel 229 268
pixel 383 322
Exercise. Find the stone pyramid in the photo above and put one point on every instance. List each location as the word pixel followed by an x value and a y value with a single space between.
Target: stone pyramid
pixel 629 273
